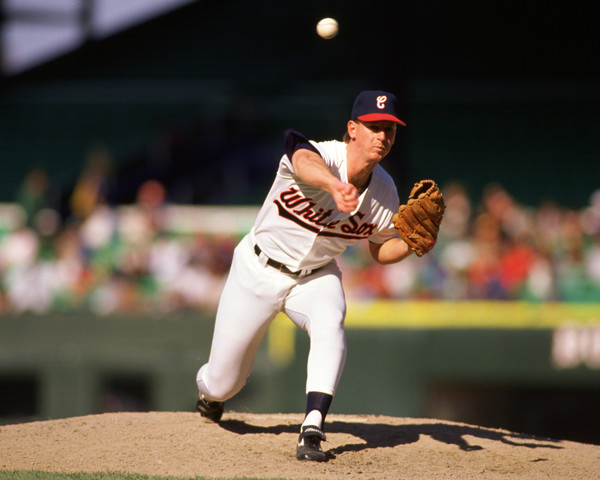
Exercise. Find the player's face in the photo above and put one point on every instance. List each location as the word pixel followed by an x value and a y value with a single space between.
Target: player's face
pixel 375 139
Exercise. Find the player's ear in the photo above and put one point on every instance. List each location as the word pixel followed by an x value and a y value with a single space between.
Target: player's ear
pixel 352 130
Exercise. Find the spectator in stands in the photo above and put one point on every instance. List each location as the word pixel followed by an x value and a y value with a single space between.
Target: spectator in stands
pixel 92 185
pixel 125 259
pixel 32 194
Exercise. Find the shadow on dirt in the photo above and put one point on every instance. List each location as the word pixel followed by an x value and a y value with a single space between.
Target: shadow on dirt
pixel 383 435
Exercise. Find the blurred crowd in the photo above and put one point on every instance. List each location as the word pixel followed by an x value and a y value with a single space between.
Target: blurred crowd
pixel 496 249
pixel 127 259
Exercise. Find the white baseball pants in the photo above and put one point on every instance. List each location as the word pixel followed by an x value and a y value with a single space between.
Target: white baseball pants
pixel 253 295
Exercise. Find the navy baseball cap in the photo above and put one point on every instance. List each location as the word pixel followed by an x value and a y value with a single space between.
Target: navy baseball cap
pixel 374 106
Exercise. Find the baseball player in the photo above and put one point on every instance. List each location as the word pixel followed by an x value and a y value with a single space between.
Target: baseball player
pixel 325 197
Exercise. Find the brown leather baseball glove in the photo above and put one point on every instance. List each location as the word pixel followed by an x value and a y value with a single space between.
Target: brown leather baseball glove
pixel 418 221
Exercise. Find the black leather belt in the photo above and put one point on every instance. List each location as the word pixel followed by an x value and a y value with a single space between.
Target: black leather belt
pixel 275 264
pixel 280 266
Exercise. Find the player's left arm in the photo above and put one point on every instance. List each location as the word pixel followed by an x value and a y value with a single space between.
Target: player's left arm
pixel 392 250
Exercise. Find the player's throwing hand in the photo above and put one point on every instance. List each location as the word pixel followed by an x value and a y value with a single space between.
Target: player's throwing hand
pixel 345 196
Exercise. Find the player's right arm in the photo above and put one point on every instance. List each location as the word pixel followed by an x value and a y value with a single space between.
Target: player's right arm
pixel 312 169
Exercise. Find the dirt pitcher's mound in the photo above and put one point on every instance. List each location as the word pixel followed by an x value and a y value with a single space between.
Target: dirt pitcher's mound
pixel 263 446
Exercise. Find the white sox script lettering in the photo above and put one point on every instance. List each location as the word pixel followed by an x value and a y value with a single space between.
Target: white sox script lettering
pixel 299 209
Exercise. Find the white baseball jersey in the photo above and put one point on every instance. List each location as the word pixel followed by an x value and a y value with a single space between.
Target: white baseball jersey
pixel 300 226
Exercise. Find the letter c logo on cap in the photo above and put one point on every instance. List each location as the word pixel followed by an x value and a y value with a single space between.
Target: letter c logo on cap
pixel 381 101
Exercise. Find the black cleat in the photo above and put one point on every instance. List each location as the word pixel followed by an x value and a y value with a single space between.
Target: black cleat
pixel 309 444
pixel 211 410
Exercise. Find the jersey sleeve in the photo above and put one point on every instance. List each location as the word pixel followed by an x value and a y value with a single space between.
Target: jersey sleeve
pixel 296 141
pixel 388 206
pixel 331 152
pixel 385 233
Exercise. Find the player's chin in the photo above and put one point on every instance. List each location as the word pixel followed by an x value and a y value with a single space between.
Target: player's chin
pixel 379 154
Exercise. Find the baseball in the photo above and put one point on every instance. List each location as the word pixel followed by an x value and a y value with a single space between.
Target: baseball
pixel 327 28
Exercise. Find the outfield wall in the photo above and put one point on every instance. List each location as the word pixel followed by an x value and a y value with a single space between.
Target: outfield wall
pixel 528 367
